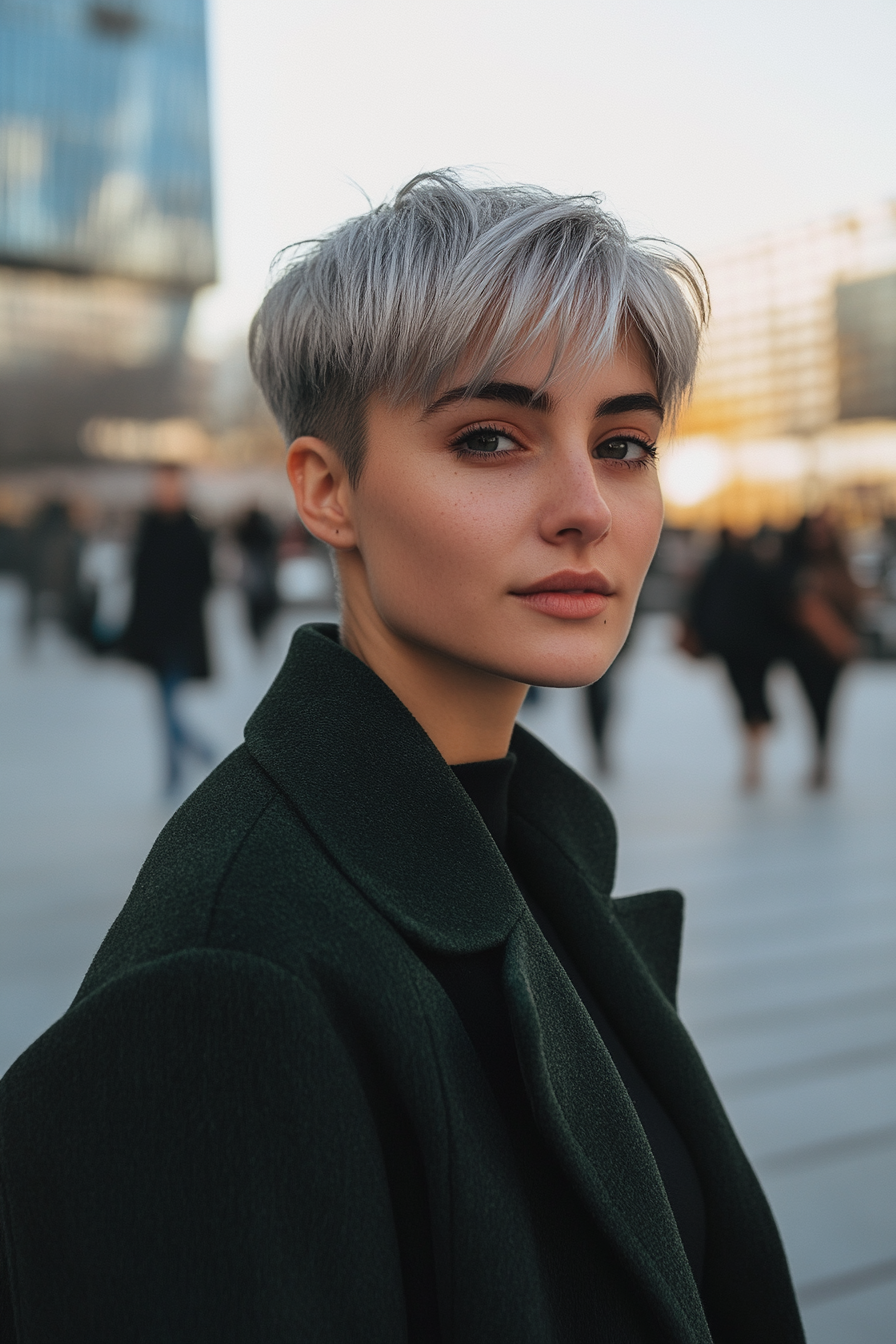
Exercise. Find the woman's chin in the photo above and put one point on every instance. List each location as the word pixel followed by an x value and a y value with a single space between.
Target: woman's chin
pixel 567 682
pixel 554 673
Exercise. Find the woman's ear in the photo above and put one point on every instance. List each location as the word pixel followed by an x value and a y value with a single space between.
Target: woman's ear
pixel 322 490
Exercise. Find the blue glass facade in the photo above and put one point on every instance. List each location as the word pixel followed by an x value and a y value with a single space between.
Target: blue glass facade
pixel 104 139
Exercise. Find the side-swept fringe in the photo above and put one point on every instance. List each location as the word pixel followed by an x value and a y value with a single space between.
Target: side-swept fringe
pixel 393 301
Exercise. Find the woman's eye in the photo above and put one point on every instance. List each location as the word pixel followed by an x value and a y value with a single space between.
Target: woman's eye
pixel 624 449
pixel 485 442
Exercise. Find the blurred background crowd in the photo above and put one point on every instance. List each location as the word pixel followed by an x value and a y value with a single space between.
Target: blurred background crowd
pixel 131 582
pixel 154 156
pixel 134 583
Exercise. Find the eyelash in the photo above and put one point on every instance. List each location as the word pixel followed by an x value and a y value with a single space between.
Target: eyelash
pixel 649 448
pixel 471 432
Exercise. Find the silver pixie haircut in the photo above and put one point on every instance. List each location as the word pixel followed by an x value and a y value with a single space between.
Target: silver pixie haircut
pixel 448 273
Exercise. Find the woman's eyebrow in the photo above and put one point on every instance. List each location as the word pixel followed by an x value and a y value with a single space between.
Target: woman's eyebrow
pixel 631 401
pixel 517 394
pixel 514 393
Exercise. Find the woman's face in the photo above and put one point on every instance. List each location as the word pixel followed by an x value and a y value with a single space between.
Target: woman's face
pixel 509 536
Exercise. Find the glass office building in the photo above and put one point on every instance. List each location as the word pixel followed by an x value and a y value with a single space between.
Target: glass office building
pixel 105 214
pixel 803 326
pixel 795 403
pixel 104 139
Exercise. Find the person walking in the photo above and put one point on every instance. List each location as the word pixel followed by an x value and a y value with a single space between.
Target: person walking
pixel 600 697
pixel 257 538
pixel 51 554
pixel 166 627
pixel 735 611
pixel 824 607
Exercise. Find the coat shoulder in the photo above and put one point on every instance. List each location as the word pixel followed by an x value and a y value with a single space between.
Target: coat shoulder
pixel 653 921
pixel 175 903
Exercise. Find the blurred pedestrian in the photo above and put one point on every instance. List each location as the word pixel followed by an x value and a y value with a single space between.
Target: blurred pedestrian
pixel 257 538
pixel 601 696
pixel 735 612
pixel 10 548
pixel 106 575
pixel 824 602
pixel 51 552
pixel 166 629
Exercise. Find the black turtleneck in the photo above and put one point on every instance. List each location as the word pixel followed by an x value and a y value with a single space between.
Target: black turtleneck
pixel 475 988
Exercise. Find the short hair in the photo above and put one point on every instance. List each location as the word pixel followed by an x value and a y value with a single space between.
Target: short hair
pixel 391 302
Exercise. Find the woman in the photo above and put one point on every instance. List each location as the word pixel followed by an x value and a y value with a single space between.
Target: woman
pixel 824 602
pixel 736 612
pixel 370 1054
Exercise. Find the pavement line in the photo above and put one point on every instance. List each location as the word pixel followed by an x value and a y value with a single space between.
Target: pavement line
pixel 808 1011
pixel 799 1070
pixel 772 917
pixel 827 1150
pixel 839 1285
pixel 727 968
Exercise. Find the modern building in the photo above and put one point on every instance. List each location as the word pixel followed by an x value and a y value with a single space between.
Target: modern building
pixel 796 398
pixel 105 214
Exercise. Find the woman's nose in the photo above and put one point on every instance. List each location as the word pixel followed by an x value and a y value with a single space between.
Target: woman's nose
pixel 575 508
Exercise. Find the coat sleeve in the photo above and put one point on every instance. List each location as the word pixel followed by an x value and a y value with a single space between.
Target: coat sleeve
pixel 188 1156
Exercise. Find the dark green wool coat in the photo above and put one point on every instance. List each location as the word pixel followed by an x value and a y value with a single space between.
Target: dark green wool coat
pixel 262 1120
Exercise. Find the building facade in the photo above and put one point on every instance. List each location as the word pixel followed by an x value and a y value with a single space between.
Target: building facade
pixel 105 213
pixel 104 139
pixel 796 395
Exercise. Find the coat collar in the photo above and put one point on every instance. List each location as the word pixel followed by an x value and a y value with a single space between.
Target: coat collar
pixel 380 799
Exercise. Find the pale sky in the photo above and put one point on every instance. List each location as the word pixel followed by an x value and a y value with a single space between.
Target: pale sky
pixel 706 121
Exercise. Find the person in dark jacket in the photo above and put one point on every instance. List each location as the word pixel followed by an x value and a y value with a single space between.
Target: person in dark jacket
pixel 822 636
pixel 370 1053
pixel 166 628
pixel 600 698
pixel 737 611
pixel 51 556
pixel 257 538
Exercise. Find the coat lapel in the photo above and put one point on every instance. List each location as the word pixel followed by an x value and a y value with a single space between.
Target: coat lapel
pixel 565 836
pixel 550 811
pixel 585 1113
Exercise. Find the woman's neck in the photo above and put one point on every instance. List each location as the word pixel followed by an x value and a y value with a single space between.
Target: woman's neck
pixel 469 713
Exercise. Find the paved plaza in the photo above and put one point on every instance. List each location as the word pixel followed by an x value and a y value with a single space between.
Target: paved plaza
pixel 789 972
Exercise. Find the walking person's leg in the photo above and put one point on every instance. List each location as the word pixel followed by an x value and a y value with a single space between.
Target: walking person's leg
pixel 818 675
pixel 599 695
pixel 747 674
pixel 174 739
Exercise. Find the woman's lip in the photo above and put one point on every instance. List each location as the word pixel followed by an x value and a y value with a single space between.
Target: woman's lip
pixel 569 581
pixel 575 605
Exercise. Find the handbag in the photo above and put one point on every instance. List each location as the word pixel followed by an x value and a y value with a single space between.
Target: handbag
pixel 820 619
pixel 688 640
